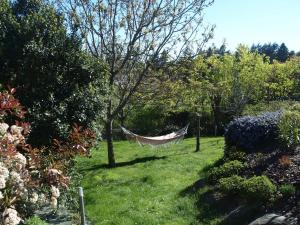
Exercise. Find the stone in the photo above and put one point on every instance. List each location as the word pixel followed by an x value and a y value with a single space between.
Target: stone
pixel 270 219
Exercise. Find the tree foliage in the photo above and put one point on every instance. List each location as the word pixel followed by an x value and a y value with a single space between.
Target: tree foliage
pixel 219 85
pixel 58 82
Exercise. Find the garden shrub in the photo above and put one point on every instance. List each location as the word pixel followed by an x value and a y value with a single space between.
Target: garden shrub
pixel 226 170
pixel 289 125
pixel 234 153
pixel 231 185
pixel 257 188
pixel 253 133
pixel 287 190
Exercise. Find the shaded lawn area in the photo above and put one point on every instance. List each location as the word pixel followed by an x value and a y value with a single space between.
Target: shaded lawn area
pixel 148 186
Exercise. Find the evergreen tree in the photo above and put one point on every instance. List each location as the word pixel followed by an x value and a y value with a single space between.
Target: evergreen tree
pixel 282 53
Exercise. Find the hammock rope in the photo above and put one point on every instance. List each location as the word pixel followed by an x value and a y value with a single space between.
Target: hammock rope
pixel 171 138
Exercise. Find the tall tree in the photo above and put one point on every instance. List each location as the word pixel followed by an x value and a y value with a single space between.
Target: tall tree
pixel 130 35
pixel 282 53
pixel 56 81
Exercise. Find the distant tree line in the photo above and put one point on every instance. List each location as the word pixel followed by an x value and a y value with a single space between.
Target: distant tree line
pixel 274 51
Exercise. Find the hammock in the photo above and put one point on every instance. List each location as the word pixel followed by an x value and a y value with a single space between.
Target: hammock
pixel 173 137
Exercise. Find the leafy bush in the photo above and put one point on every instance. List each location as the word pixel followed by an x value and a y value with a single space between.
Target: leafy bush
pixel 289 125
pixel 287 190
pixel 272 106
pixel 252 133
pixel 231 185
pixel 35 221
pixel 257 188
pixel 234 153
pixel 226 170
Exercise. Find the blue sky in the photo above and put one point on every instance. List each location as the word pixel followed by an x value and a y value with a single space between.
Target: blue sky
pixel 255 21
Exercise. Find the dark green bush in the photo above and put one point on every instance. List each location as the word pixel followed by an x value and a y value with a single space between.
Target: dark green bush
pixel 289 125
pixel 254 133
pixel 258 188
pixel 226 170
pixel 287 190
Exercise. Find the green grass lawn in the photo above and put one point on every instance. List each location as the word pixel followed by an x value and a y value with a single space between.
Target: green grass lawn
pixel 148 186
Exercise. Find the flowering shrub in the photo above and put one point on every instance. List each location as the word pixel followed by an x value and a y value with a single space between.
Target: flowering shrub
pixel 31 176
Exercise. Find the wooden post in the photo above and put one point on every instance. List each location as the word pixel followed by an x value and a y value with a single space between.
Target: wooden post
pixel 81 204
pixel 297 198
pixel 198 133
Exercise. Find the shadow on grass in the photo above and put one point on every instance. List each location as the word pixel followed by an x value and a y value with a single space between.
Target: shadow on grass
pixel 208 167
pixel 211 205
pixel 193 188
pixel 129 163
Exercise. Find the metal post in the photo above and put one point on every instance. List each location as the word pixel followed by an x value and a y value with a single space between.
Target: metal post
pixel 81 204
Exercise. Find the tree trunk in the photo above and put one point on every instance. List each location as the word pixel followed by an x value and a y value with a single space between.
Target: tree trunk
pixel 198 135
pixel 216 108
pixel 110 147
pixel 122 117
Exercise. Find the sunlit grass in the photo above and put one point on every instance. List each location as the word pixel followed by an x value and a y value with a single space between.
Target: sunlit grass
pixel 148 186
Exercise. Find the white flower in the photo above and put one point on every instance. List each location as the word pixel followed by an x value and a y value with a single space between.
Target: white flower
pixel 53 202
pixel 8 211
pixel 2 183
pixel 9 138
pixel 34 197
pixel 16 130
pixel 11 217
pixel 3 128
pixel 4 173
pixel 16 179
pixel 42 198
pixel 20 158
pixel 13 138
pixel 55 191
pixel 23 192
pixel 1 195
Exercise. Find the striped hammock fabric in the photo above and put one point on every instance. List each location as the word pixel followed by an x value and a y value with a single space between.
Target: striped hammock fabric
pixel 173 137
